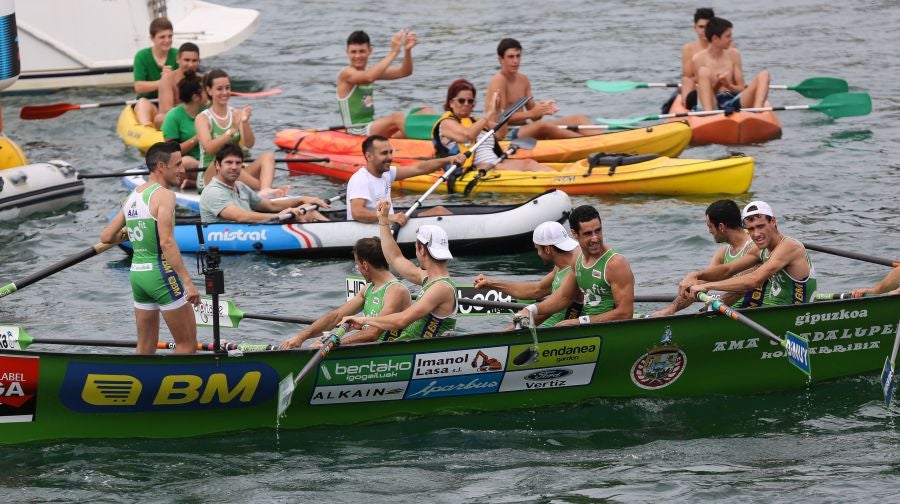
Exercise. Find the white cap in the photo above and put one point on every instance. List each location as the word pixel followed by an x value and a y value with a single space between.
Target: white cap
pixel 553 233
pixel 757 208
pixel 435 239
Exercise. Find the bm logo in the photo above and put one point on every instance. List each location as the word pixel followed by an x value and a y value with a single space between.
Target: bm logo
pixel 122 388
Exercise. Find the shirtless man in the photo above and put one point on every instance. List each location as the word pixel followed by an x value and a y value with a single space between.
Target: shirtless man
pixel 511 85
pixel 188 60
pixel 720 76
pixel 688 50
pixel 354 84
pixel 785 269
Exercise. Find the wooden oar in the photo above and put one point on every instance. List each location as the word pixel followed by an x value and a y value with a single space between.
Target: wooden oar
pixel 526 143
pixel 15 338
pixel 504 117
pixel 814 87
pixel 52 110
pixel 61 265
pixel 796 347
pixel 837 105
pixel 289 383
pixel 231 316
pixel 852 255
pixel 887 373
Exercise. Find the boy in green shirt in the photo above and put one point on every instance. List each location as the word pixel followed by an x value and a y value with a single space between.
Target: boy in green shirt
pixel 149 65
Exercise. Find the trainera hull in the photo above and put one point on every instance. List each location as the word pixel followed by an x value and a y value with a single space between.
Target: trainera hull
pixel 81 395
pixel 740 128
pixel 40 187
pixel 473 230
pixel 345 151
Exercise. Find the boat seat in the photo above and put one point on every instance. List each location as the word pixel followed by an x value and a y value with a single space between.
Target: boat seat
pixel 613 161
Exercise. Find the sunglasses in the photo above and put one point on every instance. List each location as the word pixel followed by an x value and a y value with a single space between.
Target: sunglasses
pixel 465 101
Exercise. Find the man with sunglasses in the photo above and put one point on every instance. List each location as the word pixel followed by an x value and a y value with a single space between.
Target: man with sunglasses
pixel 372 182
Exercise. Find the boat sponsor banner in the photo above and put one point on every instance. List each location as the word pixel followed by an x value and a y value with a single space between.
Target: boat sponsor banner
pixel 557 353
pixel 454 386
pixel 18 388
pixel 366 392
pixel 90 387
pixel 546 378
pixel 357 283
pixel 366 370
pixel 460 362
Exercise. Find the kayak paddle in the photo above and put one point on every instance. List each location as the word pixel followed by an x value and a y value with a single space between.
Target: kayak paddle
pixel 796 347
pixel 504 117
pixel 814 87
pixel 526 143
pixel 289 383
pixel 15 338
pixel 836 106
pixel 72 260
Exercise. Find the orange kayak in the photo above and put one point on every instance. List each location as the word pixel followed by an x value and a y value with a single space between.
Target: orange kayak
pixel 345 150
pixel 737 129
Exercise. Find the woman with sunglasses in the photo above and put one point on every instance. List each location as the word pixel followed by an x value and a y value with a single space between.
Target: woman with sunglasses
pixel 457 130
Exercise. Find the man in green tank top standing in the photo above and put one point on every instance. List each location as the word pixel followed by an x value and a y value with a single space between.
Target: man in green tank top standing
pixel 354 83
pixel 784 265
pixel 382 295
pixel 159 280
pixel 723 221
pixel 602 276
pixel 554 246
pixel 434 313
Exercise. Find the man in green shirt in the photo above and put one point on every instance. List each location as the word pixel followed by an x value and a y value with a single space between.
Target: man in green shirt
pixel 149 65
pixel 554 246
pixel 382 295
pixel 186 63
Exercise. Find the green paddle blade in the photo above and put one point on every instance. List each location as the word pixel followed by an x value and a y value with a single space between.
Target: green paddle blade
pixel 615 86
pixel 14 338
pixel 626 123
pixel 845 105
pixel 820 87
pixel 419 125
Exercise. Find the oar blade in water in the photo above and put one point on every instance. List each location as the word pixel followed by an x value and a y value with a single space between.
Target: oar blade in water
pixel 285 393
pixel 797 348
pixel 820 87
pixel 614 86
pixel 845 105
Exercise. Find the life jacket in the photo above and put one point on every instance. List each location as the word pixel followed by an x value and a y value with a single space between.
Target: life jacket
pixel 442 150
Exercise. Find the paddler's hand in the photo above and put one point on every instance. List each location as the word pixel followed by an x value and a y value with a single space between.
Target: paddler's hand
pixel 459 159
pixel 858 293
pixel 483 282
pixel 693 290
pixel 410 40
pixel 688 280
pixel 290 343
pixel 318 201
pixel 191 293
pixel 355 322
pixel 541 109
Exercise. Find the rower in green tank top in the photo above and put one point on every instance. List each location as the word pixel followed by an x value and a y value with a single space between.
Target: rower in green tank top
pixel 554 246
pixel 383 295
pixel 434 312
pixel 602 277
pixel 782 263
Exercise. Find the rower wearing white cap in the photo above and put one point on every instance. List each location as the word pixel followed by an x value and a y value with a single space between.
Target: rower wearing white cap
pixel 784 263
pixel 434 313
pixel 554 246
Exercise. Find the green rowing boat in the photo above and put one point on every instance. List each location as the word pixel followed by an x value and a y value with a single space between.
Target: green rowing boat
pixel 55 395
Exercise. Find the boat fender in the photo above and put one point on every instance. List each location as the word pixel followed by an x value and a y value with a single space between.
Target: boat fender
pixel 64 168
pixel 18 178
pixel 613 161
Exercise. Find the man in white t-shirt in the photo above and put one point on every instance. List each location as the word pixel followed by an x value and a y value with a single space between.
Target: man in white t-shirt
pixel 372 182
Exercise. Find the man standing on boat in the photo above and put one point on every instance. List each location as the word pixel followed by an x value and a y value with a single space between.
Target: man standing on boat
pixel 434 313
pixel 512 85
pixel 554 246
pixel 785 268
pixel 723 221
pixel 226 199
pixel 372 182
pixel 382 295
pixel 159 279
pixel 602 276
pixel 354 84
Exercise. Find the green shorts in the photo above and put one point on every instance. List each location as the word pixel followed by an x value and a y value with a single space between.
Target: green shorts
pixel 156 286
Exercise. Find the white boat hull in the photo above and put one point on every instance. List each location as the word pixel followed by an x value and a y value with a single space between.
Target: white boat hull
pixel 41 187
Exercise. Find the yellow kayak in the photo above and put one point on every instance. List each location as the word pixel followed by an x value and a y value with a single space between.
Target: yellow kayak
pixel 11 154
pixel 133 133
pixel 611 174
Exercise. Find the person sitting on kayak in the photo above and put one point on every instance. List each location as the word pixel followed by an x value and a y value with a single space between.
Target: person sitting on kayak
pixel 602 276
pixel 179 123
pixel 889 284
pixel 354 84
pixel 554 246
pixel 160 282
pixel 434 312
pixel 221 125
pixel 227 199
pixel 383 294
pixel 688 50
pixel 723 221
pixel 149 65
pixel 720 76
pixel 512 85
pixel 458 129
pixel 785 268
pixel 372 182
pixel 188 61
